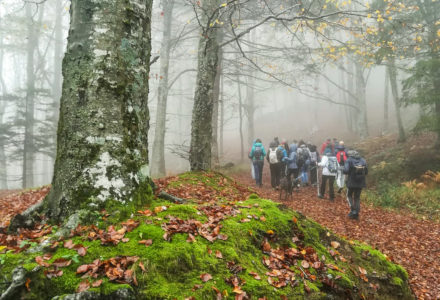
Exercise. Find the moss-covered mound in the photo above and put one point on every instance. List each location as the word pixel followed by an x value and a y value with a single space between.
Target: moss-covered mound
pixel 229 245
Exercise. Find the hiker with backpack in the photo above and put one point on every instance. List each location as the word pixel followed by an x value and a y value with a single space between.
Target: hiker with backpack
pixel 327 146
pixel 275 156
pixel 329 166
pixel 356 169
pixel 341 157
pixel 291 160
pixel 257 155
pixel 303 162
pixel 314 159
pixel 285 146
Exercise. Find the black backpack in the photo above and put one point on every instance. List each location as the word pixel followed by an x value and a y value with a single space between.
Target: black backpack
pixel 303 155
pixel 360 169
pixel 258 152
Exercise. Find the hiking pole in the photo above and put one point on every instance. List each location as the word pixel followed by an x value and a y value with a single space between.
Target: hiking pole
pixel 317 178
pixel 348 200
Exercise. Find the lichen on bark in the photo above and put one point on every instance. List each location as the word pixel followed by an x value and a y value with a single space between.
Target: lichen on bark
pixel 201 126
pixel 102 150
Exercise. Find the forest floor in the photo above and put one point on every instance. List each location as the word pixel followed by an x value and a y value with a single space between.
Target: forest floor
pixel 406 239
pixel 409 241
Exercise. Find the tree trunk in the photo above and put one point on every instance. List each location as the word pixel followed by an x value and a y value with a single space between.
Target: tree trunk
pixel 158 156
pixel 201 125
pixel 222 117
pixel 215 160
pixel 392 72
pixel 53 115
pixel 102 149
pixel 3 160
pixel 28 143
pixel 250 108
pixel 362 122
pixel 352 100
pixel 385 103
pixel 240 116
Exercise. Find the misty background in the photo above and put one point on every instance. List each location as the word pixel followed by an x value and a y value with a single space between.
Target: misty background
pixel 293 95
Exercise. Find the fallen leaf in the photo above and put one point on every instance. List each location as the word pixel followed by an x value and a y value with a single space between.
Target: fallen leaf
pixel 205 277
pixel 218 254
pixel 263 218
pixel 28 281
pixel 305 264
pixel 39 260
pixel 255 275
pixel 82 269
pixel 68 244
pixel 83 286
pixel 146 242
pixel 266 246
pixel 97 283
pixel 335 244
pixel 61 262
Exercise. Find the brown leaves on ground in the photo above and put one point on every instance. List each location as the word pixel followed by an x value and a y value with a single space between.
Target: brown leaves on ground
pixel 405 239
pixel 110 236
pixel 201 191
pixel 209 230
pixel 115 269
pixel 20 241
pixel 16 202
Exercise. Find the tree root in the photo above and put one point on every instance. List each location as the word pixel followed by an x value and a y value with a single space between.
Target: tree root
pixel 18 280
pixel 27 219
pixel 171 198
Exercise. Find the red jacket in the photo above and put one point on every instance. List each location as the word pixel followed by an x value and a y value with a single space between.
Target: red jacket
pixel 341 156
pixel 324 145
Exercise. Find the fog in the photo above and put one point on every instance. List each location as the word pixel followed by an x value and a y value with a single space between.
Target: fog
pixel 297 93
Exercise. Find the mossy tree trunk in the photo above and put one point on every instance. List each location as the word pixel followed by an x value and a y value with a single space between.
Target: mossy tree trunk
pixel 201 125
pixel 392 72
pixel 215 159
pixel 158 155
pixel 102 150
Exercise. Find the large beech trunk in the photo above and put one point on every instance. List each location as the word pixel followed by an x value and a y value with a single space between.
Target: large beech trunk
pixel 102 149
pixel 201 126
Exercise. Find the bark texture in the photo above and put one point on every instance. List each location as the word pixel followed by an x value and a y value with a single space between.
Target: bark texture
pixel 102 150
pixel 392 72
pixel 158 156
pixel 215 159
pixel 362 123
pixel 201 126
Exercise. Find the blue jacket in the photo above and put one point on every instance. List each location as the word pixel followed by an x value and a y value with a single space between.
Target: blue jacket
pixel 291 159
pixel 252 154
pixel 283 151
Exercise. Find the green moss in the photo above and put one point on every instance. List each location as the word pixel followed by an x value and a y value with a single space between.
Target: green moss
pixel 174 267
pixel 397 281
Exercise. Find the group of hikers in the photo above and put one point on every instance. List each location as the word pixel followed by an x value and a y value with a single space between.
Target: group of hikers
pixel 300 161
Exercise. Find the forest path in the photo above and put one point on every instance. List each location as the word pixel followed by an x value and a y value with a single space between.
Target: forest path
pixel 407 240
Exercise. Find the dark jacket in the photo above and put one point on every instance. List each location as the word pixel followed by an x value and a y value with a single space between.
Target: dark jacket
pixel 355 180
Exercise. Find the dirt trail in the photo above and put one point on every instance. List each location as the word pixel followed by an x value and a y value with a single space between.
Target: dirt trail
pixel 411 242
